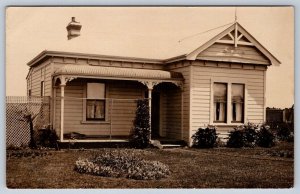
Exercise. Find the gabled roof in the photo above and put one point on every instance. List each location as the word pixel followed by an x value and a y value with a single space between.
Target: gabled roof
pixel 250 40
pixel 241 37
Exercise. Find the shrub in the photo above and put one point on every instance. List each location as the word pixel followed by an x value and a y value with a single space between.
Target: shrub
pixel 265 137
pixel 141 130
pixel 243 136
pixel 205 137
pixel 47 138
pixel 122 164
pixel 283 132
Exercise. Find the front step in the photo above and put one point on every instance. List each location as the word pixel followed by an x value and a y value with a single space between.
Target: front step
pixel 168 143
pixel 172 145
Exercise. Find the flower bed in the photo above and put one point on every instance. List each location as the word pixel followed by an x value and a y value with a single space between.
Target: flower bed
pixel 122 164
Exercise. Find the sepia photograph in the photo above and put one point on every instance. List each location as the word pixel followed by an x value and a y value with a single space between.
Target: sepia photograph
pixel 163 97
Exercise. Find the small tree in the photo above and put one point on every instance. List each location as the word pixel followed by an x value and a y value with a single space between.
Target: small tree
pixel 141 130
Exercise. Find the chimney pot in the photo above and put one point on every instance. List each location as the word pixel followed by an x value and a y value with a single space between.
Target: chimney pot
pixel 73 29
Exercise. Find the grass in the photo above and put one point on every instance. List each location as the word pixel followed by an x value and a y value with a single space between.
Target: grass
pixel 190 168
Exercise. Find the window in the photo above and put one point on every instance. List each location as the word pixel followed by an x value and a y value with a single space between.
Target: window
pixel 237 101
pixel 95 103
pixel 220 102
pixel 42 88
pixel 29 92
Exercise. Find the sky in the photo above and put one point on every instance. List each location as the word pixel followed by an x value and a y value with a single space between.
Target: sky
pixel 148 32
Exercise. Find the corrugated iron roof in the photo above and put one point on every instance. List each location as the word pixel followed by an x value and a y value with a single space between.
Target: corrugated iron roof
pixel 119 72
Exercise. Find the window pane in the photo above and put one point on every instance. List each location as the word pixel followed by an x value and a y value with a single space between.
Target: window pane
pixel 99 109
pixel 237 98
pixel 220 102
pixel 95 90
pixel 95 109
pixel 237 92
pixel 220 92
pixel 90 110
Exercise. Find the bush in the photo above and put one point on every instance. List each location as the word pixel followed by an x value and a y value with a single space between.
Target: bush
pixel 243 136
pixel 122 164
pixel 141 130
pixel 47 138
pixel 205 137
pixel 265 137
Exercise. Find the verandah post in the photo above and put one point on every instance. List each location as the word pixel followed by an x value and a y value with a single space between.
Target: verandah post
pixel 62 107
pixel 111 109
pixel 150 104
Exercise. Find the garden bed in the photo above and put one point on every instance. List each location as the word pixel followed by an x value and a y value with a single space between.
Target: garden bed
pixel 189 168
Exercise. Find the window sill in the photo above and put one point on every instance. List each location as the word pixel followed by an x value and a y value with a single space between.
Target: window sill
pixel 95 122
pixel 227 124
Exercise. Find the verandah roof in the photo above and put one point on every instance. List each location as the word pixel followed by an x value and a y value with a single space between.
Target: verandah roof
pixel 117 72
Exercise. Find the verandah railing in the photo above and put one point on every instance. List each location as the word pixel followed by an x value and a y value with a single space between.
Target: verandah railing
pixel 116 122
pixel 95 119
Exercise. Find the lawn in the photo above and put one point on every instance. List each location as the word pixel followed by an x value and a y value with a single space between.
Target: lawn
pixel 190 168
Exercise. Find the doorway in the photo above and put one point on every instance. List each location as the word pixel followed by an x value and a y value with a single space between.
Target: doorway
pixel 155 116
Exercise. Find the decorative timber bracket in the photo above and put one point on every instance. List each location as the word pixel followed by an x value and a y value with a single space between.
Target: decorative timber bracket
pixel 64 79
pixel 150 84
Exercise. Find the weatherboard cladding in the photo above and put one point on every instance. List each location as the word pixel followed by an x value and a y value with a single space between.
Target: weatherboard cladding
pixel 182 112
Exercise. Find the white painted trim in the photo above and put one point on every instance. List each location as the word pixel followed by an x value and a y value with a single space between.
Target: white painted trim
pixel 246 103
pixel 150 112
pixel 62 107
pixel 265 95
pixel 229 116
pixel 54 107
pixel 190 106
pixel 195 53
pixel 211 107
pixel 229 82
pixel 92 140
pixel 142 80
pixel 225 41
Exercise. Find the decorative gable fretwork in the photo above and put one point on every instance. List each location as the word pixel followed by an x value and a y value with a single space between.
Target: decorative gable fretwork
pixel 235 37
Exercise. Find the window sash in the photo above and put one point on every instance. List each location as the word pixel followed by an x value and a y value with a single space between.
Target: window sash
pixel 95 102
pixel 220 102
pixel 237 103
pixel 95 91
pixel 95 109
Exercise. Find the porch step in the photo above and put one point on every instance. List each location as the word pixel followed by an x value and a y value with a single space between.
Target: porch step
pixel 172 145
pixel 168 143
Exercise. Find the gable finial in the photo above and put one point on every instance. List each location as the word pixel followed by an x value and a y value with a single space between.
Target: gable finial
pixel 235 15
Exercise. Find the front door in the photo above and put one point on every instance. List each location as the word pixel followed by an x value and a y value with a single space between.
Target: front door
pixel 155 114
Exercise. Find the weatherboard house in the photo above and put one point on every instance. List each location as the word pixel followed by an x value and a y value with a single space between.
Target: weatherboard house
pixel 220 82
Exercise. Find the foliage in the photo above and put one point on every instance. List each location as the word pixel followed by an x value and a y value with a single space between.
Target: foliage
pixel 265 137
pixel 243 136
pixel 27 153
pixel 284 131
pixel 122 164
pixel 205 137
pixel 141 130
pixel 47 138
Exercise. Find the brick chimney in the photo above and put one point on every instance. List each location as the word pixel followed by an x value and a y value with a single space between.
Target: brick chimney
pixel 73 29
